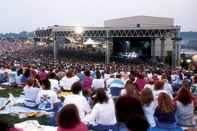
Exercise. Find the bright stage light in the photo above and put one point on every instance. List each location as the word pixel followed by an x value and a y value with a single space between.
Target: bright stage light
pixel 79 30
pixel 194 58
pixel 188 60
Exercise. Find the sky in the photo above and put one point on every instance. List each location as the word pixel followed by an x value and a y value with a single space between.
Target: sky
pixel 29 15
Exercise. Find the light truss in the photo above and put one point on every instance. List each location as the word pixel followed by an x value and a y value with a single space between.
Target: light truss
pixel 170 32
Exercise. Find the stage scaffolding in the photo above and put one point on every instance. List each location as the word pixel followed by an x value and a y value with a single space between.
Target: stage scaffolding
pixel 154 32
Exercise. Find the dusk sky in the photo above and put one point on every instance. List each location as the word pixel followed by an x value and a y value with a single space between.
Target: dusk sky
pixel 19 15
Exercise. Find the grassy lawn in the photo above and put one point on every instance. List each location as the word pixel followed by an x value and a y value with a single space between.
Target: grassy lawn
pixel 14 90
pixel 14 118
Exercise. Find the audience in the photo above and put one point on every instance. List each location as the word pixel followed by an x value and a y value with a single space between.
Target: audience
pixel 105 97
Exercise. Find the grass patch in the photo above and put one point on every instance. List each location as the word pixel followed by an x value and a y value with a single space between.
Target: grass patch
pixel 16 91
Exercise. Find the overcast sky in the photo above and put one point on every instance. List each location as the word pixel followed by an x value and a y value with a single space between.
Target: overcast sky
pixel 19 15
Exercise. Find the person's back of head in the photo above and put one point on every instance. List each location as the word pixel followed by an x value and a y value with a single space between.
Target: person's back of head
pixel 30 82
pixel 98 74
pixel 184 96
pixel 5 125
pixel 76 88
pixel 127 106
pixel 146 96
pixel 165 103
pixel 46 84
pixel 137 123
pixel 158 85
pixel 101 95
pixel 68 117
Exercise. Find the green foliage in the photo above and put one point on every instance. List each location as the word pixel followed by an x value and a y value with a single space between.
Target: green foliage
pixel 16 91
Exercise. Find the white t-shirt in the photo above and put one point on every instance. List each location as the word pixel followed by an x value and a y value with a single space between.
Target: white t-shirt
pixel 54 84
pixel 46 99
pixel 81 103
pixel 109 81
pixel 103 114
pixel 67 83
pixel 168 88
pixel 149 113
pixel 30 94
pixel 98 83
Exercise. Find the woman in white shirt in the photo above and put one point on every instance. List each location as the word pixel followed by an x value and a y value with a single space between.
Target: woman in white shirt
pixel 98 82
pixel 148 105
pixel 103 113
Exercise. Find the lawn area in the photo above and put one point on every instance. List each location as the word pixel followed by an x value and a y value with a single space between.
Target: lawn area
pixel 16 91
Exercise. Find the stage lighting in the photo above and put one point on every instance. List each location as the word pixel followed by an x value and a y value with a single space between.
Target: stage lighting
pixel 188 60
pixel 79 30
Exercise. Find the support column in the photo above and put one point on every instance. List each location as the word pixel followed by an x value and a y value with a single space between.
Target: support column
pixel 174 53
pixel 162 49
pixel 153 48
pixel 107 49
pixel 178 54
pixel 54 48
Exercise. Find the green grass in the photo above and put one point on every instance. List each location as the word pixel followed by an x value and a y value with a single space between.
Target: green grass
pixel 16 91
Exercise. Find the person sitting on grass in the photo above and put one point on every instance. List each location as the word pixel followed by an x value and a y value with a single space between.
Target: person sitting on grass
pixel 30 93
pixel 185 108
pixel 165 113
pixel 78 99
pixel 149 105
pixel 68 119
pixel 102 116
pixel 47 98
pixel 130 115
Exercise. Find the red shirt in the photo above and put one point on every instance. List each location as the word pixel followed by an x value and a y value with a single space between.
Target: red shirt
pixel 140 84
pixel 79 127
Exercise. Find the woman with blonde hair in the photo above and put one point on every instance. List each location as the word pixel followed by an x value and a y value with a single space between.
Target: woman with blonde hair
pixel 130 90
pixel 148 105
pixel 165 112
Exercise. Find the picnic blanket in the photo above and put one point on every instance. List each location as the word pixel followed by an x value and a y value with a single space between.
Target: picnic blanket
pixel 33 125
pixel 16 108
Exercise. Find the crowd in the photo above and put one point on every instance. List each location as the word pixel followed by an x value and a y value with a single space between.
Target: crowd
pixel 85 96
pixel 138 97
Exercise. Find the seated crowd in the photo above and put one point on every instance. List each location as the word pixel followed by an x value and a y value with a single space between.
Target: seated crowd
pixel 93 97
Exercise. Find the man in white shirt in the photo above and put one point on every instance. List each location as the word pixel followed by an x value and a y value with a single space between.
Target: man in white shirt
pixel 30 94
pixel 46 98
pixel 79 100
pixel 67 81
